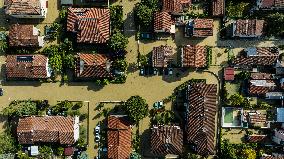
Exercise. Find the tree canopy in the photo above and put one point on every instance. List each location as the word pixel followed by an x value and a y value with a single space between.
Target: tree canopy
pixel 117 41
pixel 248 153
pixel 143 14
pixel 7 143
pixel 3 42
pixel 135 155
pixel 275 23
pixel 136 108
pixel 20 108
pixel 116 17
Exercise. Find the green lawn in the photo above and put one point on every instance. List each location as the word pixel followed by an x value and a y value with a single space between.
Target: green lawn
pixel 228 118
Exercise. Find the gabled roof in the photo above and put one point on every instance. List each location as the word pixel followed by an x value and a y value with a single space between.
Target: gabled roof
pixel 22 7
pixel 218 7
pixel 175 6
pixel 229 74
pixel 202 100
pixel 118 138
pixel 270 4
pixel 203 27
pixel 92 66
pixel 92 25
pixel 194 56
pixel 166 139
pixel 162 22
pixel 27 66
pixel 257 138
pixel 52 129
pixel 248 27
pixel 260 56
pixel 23 35
pixel 162 56
pixel 261 83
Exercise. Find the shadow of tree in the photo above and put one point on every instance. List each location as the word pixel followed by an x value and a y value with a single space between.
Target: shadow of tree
pixel 132 67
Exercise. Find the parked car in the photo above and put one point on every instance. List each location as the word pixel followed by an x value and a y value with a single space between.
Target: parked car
pixel 97 129
pixel 97 138
pixel 146 36
pixel 170 71
pixel 142 71
pixel 1 91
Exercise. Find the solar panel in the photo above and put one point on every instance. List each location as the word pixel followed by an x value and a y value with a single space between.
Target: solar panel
pixel 24 58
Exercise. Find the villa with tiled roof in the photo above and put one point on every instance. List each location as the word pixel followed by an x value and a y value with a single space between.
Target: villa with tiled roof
pixel 199 28
pixel 163 23
pixel 218 8
pixel 91 25
pixel 162 56
pixel 175 6
pixel 193 56
pixel 248 28
pixel 269 4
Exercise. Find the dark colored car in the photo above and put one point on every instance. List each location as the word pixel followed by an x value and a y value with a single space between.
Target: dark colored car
pixel 1 91
pixel 146 36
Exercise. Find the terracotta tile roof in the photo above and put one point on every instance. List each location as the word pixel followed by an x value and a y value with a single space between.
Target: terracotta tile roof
pixel 203 27
pixel 194 56
pixel 249 28
pixel 57 129
pixel 201 117
pixel 267 3
pixel 229 74
pixel 68 151
pixel 175 6
pixel 258 75
pixel 22 35
pixel 26 66
pixel 118 140
pixel 261 87
pixel 218 7
pixel 256 118
pixel 92 25
pixel 162 22
pixel 162 56
pixel 92 66
pixel 279 3
pixel 261 57
pixel 22 7
pixel 257 138
pixel 166 140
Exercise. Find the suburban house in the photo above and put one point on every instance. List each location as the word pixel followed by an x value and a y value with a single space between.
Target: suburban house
pixel 91 25
pixel 26 8
pixel 260 84
pixel 255 118
pixel 27 67
pixel 229 74
pixel 218 8
pixel 118 137
pixel 48 129
pixel 90 66
pixel 200 120
pixel 175 6
pixel 193 56
pixel 278 136
pixel 199 28
pixel 269 4
pixel 22 35
pixel 256 56
pixel 166 140
pixel 162 56
pixel 247 28
pixel 257 138
pixel 163 23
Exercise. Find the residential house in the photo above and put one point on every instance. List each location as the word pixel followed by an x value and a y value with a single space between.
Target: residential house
pixel 248 28
pixel 26 8
pixel 201 115
pixel 22 35
pixel 175 6
pixel 193 56
pixel 218 8
pixel 166 140
pixel 27 67
pixel 162 56
pixel 280 115
pixel 256 118
pixel 163 23
pixel 261 83
pixel 91 25
pixel 278 136
pixel 269 4
pixel 229 74
pixel 118 137
pixel 199 28
pixel 90 66
pixel 257 56
pixel 257 139
pixel 48 129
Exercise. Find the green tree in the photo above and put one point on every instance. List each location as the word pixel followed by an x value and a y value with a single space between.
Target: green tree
pixel 136 108
pixel 117 41
pixel 191 156
pixel 120 64
pixel 248 154
pixel 55 62
pixel 20 108
pixel 228 150
pixel 143 15
pixel 244 75
pixel 62 107
pixel 45 151
pixel 135 155
pixel 68 61
pixel 83 155
pixel 7 143
pixel 153 4
pixel 275 24
pixel 236 100
pixel 116 17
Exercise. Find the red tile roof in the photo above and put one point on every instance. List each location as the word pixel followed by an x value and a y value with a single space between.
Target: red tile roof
pixel 162 22
pixel 92 66
pixel 68 151
pixel 162 56
pixel 166 140
pixel 175 6
pixel 258 75
pixel 22 7
pixel 249 27
pixel 26 66
pixel 52 129
pixel 92 25
pixel 194 56
pixel 201 117
pixel 22 35
pixel 203 27
pixel 279 3
pixel 218 7
pixel 118 138
pixel 270 4
pixel 261 87
pixel 257 138
pixel 263 56
pixel 229 74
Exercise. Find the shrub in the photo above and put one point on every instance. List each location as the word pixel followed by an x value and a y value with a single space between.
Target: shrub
pixel 208 56
pixel 83 117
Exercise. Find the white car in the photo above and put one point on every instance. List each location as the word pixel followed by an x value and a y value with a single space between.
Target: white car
pixel 97 129
pixel 97 138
